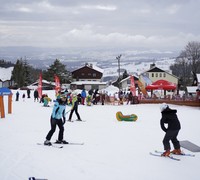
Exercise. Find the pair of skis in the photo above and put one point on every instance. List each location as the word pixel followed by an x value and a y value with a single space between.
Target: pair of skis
pixel 158 154
pixel 59 146
pixel 76 121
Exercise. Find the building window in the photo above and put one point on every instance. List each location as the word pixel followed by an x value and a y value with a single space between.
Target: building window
pixel 94 74
pixel 156 74
pixel 152 75
pixel 160 74
pixel 82 74
pixel 164 75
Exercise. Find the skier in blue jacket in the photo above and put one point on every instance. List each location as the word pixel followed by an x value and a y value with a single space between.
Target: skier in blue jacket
pixel 57 118
pixel 83 96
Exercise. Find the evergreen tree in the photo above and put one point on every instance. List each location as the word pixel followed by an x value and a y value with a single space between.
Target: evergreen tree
pixel 18 73
pixel 57 68
pixel 6 64
pixel 21 73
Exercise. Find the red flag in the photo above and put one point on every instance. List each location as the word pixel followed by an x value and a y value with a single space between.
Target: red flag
pixel 57 84
pixel 132 88
pixel 40 86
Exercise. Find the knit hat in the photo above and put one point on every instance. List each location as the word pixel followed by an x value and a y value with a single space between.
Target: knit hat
pixel 63 94
pixel 163 106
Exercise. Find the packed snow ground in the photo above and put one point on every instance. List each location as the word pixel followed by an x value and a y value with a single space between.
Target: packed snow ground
pixel 112 150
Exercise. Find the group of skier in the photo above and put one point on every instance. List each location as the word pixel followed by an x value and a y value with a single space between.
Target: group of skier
pixel 169 117
pixel 58 117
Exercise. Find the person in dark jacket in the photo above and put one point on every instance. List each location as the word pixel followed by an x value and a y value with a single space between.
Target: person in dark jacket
pixel 17 96
pixel 170 118
pixel 36 95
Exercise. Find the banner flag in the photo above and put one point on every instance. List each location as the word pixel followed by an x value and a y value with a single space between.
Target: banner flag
pixel 132 88
pixel 57 84
pixel 40 86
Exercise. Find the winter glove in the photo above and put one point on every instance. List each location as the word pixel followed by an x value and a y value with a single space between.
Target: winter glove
pixel 64 120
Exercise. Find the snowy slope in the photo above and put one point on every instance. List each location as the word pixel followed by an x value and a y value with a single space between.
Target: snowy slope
pixel 112 151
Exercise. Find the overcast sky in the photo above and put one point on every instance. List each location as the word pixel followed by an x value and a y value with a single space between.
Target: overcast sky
pixel 150 24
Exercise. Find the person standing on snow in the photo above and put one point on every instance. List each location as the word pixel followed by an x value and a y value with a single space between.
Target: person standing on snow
pixel 74 108
pixel 171 132
pixel 36 95
pixel 57 118
pixel 83 96
pixel 17 96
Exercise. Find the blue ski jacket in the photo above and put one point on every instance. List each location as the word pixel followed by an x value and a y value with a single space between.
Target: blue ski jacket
pixel 59 110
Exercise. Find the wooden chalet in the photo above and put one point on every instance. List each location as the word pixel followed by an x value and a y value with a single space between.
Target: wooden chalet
pixel 89 72
pixel 88 77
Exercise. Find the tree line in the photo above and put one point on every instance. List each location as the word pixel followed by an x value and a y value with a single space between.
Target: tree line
pixel 24 74
pixel 186 66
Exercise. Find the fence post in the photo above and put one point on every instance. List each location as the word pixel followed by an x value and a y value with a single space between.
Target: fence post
pixel 10 104
pixel 2 110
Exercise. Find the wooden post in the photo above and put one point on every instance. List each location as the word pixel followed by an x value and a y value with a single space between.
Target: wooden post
pixel 2 107
pixel 10 104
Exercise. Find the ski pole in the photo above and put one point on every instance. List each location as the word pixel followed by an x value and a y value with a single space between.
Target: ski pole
pixel 67 112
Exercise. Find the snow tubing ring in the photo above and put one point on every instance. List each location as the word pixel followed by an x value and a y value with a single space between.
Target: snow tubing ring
pixel 121 117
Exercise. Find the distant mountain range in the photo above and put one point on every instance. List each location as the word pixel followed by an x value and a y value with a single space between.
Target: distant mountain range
pixel 74 58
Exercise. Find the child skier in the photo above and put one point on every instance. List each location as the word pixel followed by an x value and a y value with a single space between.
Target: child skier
pixel 171 132
pixel 57 118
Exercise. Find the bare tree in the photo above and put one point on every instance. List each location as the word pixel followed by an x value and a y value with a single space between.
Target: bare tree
pixel 192 51
pixel 188 64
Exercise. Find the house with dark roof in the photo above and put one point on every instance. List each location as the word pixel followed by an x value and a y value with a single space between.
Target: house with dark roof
pixel 89 72
pixel 88 77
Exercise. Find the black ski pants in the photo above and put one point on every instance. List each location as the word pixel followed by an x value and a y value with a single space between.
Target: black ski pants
pixel 76 111
pixel 59 123
pixel 171 135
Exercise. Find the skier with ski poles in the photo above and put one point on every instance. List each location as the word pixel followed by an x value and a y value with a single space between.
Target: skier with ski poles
pixel 75 104
pixel 171 132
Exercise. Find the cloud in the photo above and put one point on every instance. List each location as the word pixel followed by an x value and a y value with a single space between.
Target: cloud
pixel 173 9
pixel 107 23
pixel 100 7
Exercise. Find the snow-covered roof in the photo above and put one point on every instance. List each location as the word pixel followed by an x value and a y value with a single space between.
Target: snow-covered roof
pixel 5 73
pixel 97 68
pixel 192 89
pixel 88 82
pixel 125 79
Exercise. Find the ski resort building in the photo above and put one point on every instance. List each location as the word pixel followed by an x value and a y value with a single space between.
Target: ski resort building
pixel 155 74
pixel 88 77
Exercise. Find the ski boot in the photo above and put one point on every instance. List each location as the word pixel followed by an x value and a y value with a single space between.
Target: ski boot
pixel 47 143
pixel 177 151
pixel 61 142
pixel 166 153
